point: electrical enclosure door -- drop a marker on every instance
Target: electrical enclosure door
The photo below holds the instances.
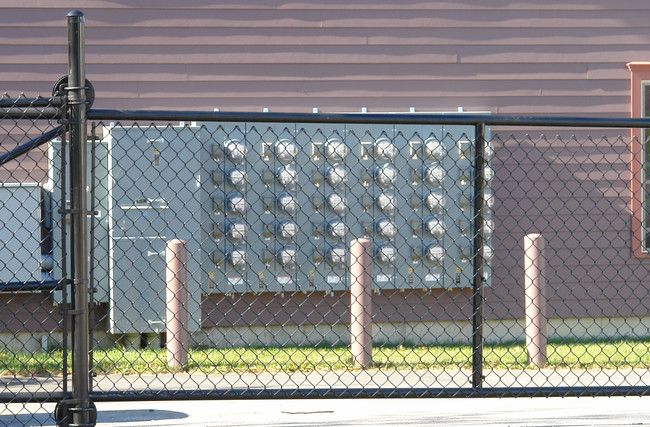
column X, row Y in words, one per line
column 154, row 191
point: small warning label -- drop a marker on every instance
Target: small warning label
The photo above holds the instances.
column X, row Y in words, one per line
column 235, row 281
column 332, row 280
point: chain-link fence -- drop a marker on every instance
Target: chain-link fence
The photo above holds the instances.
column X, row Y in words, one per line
column 438, row 256
column 268, row 213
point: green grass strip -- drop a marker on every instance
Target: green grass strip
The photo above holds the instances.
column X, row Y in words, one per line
column 625, row 353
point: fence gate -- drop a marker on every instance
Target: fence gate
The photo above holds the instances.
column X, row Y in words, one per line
column 34, row 364
column 269, row 205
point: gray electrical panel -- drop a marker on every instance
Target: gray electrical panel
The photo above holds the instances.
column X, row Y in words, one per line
column 20, row 232
column 310, row 189
column 270, row 207
column 154, row 192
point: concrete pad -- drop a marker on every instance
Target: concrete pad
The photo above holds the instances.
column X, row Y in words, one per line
column 617, row 411
column 586, row 411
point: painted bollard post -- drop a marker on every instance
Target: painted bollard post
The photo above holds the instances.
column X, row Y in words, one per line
column 361, row 302
column 176, row 276
column 535, row 299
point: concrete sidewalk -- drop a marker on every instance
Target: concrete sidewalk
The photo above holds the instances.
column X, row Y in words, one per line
column 586, row 411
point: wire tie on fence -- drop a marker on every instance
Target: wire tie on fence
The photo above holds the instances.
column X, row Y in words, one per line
column 75, row 87
column 84, row 409
column 80, row 282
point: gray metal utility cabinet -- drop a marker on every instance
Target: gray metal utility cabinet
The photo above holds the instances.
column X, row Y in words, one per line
column 269, row 207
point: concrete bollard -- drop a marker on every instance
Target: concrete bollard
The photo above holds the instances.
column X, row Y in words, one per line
column 535, row 290
column 361, row 301
column 176, row 276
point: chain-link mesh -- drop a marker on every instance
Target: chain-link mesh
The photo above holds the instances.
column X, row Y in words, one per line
column 33, row 331
column 267, row 215
column 570, row 195
column 294, row 259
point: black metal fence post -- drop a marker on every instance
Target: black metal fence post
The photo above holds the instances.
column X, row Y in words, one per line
column 477, row 256
column 81, row 411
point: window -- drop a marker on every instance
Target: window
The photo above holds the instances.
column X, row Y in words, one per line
column 640, row 164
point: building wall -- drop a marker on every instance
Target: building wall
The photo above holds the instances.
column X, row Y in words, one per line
column 506, row 57
column 521, row 57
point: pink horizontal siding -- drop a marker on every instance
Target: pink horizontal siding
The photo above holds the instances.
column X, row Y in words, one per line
column 525, row 57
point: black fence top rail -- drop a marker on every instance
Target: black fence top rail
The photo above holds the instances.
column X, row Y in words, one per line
column 371, row 118
column 22, row 101
column 32, row 108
